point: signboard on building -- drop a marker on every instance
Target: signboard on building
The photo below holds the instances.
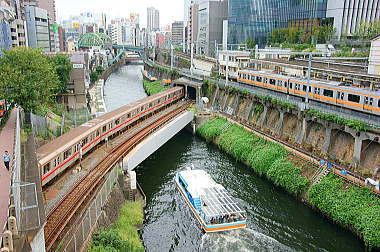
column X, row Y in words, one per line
column 78, row 66
column 132, row 176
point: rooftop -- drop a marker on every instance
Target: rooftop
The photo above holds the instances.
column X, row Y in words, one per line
column 89, row 40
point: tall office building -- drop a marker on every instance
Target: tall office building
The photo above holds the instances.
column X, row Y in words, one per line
column 7, row 15
column 48, row 5
column 210, row 25
column 37, row 24
column 177, row 33
column 347, row 15
column 153, row 22
column 255, row 19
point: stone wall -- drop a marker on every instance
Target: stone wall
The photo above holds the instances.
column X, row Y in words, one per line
column 343, row 145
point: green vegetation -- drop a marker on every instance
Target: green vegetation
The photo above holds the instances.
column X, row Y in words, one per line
column 264, row 157
column 28, row 78
column 152, row 88
column 251, row 43
column 348, row 52
column 368, row 30
column 351, row 207
column 63, row 67
column 96, row 74
column 354, row 124
column 294, row 36
column 258, row 109
column 173, row 74
column 287, row 105
column 123, row 236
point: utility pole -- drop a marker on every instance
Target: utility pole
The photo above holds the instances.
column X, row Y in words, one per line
column 172, row 57
column 192, row 58
column 228, row 62
column 308, row 79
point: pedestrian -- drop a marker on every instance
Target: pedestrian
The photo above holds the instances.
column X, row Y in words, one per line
column 7, row 159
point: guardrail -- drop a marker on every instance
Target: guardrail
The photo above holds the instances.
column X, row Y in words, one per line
column 15, row 167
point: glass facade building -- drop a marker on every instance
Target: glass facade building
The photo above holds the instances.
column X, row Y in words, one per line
column 255, row 19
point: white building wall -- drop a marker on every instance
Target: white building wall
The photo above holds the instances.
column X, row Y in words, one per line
column 374, row 57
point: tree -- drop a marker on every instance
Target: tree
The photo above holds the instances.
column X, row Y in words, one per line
column 251, row 43
column 63, row 67
column 323, row 34
column 368, row 30
column 27, row 78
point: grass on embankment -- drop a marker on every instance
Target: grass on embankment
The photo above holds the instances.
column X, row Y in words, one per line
column 153, row 87
column 123, row 235
column 350, row 206
column 264, row 157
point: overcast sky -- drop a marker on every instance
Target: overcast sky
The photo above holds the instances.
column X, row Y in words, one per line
column 170, row 10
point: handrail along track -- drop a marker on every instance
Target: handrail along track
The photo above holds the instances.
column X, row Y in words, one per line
column 60, row 216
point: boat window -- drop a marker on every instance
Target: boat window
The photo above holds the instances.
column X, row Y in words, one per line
column 354, row 98
column 329, row 93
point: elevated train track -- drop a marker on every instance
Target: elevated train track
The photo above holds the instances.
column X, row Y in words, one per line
column 65, row 212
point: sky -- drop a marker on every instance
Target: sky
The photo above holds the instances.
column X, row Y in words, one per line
column 170, row 10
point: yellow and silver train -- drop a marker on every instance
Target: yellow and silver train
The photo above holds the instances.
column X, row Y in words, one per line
column 359, row 99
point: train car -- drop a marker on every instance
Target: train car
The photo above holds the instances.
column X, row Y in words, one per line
column 61, row 153
column 333, row 93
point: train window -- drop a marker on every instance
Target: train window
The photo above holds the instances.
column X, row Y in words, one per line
column 378, row 103
column 368, row 101
column 129, row 115
column 272, row 81
column 265, row 80
column 309, row 89
column 285, row 84
column 297, row 86
column 353, row 98
column 46, row 168
column 258, row 78
column 97, row 133
column 304, row 88
column 104, row 128
column 317, row 91
column 67, row 154
column 84, row 141
column 291, row 85
column 329, row 93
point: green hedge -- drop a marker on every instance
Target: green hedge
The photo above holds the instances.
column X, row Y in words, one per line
column 354, row 207
column 123, row 236
column 152, row 88
column 259, row 154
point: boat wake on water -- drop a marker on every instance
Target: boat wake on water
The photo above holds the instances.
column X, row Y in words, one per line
column 240, row 240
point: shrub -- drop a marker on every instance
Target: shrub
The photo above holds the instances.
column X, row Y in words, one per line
column 152, row 88
column 285, row 174
column 353, row 207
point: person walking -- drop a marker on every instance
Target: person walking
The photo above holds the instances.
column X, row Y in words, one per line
column 7, row 159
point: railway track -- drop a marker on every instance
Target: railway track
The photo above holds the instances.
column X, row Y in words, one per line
column 65, row 211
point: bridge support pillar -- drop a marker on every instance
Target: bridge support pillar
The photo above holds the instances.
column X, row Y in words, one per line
column 280, row 124
column 326, row 144
column 301, row 136
column 263, row 117
column 248, row 112
column 357, row 151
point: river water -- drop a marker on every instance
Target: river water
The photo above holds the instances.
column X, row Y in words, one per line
column 276, row 221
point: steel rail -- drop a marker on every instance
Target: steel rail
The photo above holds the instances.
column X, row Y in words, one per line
column 58, row 219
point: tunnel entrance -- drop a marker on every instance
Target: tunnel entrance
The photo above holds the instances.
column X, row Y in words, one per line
column 191, row 93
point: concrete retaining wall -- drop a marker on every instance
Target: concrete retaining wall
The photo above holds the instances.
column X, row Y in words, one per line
column 156, row 140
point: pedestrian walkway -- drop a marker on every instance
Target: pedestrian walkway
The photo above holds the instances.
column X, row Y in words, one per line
column 7, row 137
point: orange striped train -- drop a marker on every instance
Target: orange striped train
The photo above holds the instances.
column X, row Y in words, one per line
column 63, row 152
column 359, row 99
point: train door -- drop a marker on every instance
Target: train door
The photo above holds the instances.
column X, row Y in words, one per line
column 339, row 97
column 368, row 103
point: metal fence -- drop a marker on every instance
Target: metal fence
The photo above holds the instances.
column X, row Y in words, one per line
column 39, row 125
column 76, row 238
column 77, row 117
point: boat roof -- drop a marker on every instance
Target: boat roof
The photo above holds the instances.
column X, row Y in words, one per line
column 218, row 202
